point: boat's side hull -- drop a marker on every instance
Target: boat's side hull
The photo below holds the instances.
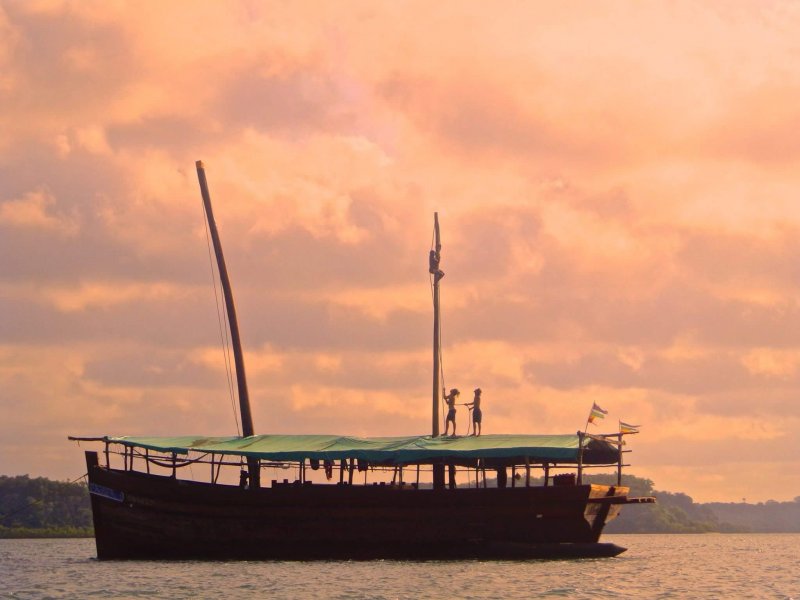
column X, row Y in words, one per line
column 146, row 516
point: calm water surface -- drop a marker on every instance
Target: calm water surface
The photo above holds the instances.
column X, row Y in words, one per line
column 655, row 566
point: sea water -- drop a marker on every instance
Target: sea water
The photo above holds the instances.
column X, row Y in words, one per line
column 655, row 566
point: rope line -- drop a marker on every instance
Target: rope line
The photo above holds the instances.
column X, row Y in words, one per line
column 223, row 329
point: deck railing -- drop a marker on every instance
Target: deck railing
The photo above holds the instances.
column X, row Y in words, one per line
column 552, row 473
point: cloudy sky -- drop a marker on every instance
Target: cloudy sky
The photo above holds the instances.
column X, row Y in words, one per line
column 618, row 185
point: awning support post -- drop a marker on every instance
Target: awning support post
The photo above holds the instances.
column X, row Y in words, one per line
column 527, row 471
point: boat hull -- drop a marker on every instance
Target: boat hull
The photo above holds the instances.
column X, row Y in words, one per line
column 142, row 516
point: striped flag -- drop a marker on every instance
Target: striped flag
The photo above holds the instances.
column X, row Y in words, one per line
column 628, row 428
column 596, row 413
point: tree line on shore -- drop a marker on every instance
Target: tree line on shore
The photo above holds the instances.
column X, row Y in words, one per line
column 41, row 507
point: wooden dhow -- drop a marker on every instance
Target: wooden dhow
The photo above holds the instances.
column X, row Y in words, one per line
column 329, row 508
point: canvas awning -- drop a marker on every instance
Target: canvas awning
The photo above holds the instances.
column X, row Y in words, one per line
column 393, row 450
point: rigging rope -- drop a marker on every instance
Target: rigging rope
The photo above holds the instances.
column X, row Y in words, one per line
column 223, row 329
column 441, row 372
column 441, row 359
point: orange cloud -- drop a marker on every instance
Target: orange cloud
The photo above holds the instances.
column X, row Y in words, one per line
column 34, row 211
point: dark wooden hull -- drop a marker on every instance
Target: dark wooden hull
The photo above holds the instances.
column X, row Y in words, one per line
column 141, row 516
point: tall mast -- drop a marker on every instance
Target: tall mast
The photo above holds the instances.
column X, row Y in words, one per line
column 238, row 356
column 433, row 268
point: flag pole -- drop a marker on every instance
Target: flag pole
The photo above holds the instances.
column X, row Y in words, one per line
column 581, row 437
column 598, row 412
column 624, row 429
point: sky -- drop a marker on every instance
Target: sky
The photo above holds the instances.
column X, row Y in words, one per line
column 618, row 187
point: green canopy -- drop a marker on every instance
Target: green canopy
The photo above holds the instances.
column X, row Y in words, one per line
column 394, row 450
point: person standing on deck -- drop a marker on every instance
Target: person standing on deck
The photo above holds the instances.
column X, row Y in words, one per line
column 477, row 415
column 451, row 410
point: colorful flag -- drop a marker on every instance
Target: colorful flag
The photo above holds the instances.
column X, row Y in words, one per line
column 627, row 428
column 597, row 413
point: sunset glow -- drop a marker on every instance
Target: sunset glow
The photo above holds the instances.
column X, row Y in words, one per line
column 617, row 184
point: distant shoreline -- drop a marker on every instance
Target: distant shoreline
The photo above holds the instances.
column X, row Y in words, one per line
column 33, row 508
